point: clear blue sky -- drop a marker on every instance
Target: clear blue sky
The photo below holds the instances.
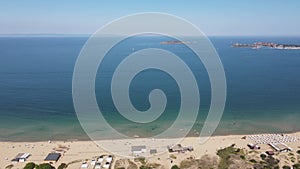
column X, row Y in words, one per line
column 213, row 17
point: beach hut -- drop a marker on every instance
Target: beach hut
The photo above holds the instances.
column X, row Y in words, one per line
column 21, row 157
column 176, row 148
column 84, row 165
column 153, row 151
column 253, row 147
column 138, row 149
column 109, row 158
column 52, row 157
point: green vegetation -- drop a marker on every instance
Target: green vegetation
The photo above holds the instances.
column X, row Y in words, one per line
column 41, row 166
column 263, row 156
column 296, row 166
column 120, row 168
column 173, row 156
column 175, row 167
column 253, row 161
column 268, row 163
column 9, row 166
column 298, row 152
column 242, row 157
column 225, row 155
column 142, row 160
column 44, row 166
column 145, row 167
column 29, row 166
column 286, row 167
column 62, row 166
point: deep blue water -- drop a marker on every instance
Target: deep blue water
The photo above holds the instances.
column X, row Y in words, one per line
column 263, row 91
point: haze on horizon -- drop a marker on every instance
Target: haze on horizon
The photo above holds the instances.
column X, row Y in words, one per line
column 225, row 18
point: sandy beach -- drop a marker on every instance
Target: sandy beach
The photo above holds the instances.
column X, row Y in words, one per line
column 75, row 152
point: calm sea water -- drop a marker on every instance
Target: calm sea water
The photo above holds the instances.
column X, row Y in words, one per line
column 263, row 92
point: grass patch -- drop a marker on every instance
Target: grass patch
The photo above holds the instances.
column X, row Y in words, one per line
column 9, row 166
column 173, row 156
column 62, row 166
column 263, row 156
column 225, row 155
column 296, row 166
column 145, row 167
column 175, row 167
column 142, row 160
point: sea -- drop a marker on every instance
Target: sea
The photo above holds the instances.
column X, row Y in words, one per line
column 263, row 87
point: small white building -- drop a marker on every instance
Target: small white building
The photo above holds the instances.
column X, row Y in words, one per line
column 138, row 149
column 21, row 157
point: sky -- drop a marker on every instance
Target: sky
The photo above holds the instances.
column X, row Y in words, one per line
column 213, row 17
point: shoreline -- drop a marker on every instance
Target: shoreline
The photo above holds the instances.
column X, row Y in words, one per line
column 81, row 140
column 79, row 151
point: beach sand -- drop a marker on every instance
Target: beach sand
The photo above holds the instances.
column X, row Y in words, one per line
column 77, row 151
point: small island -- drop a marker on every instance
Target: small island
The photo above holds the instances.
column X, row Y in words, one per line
column 258, row 45
column 175, row 42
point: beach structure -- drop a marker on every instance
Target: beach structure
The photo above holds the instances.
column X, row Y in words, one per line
column 179, row 148
column 84, row 165
column 106, row 165
column 93, row 162
column 253, row 146
column 153, row 151
column 100, row 159
column 270, row 153
column 175, row 148
column 109, row 159
column 98, row 166
column 52, row 157
column 280, row 147
column 21, row 157
column 138, row 149
column 273, row 138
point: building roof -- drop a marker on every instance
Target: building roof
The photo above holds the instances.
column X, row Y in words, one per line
column 21, row 156
column 153, row 151
column 138, row 148
column 176, row 147
column 52, row 157
column 279, row 146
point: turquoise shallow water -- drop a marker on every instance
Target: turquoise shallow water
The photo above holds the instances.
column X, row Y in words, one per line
column 36, row 88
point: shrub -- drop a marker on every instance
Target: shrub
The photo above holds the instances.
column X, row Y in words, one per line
column 243, row 157
column 173, row 156
column 296, row 166
column 286, row 167
column 253, row 161
column 263, row 156
column 9, row 166
column 145, row 167
column 175, row 167
column 62, row 166
column 29, row 166
column 44, row 166
column 142, row 160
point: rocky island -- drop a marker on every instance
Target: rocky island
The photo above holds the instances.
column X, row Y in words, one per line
column 258, row 45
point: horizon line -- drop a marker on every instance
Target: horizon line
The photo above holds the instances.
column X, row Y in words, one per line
column 89, row 34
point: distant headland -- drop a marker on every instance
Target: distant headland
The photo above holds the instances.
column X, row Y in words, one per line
column 258, row 45
column 174, row 42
